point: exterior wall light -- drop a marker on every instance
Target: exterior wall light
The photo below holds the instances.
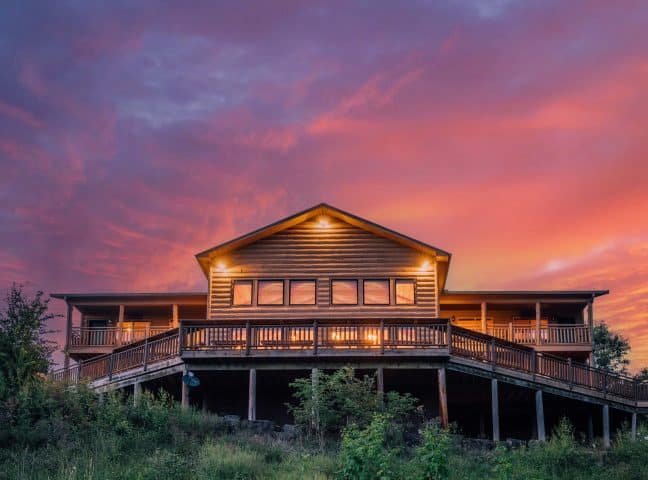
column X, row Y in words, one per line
column 426, row 266
column 323, row 222
column 220, row 266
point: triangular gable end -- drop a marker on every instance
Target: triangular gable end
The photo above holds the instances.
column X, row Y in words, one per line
column 206, row 257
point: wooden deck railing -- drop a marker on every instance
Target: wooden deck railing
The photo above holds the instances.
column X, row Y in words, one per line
column 111, row 336
column 378, row 337
column 549, row 334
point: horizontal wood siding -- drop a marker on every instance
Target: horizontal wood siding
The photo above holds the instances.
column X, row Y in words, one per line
column 309, row 251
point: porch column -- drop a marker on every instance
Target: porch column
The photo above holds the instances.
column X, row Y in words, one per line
column 606, row 426
column 443, row 397
column 483, row 317
column 252, row 395
column 315, row 403
column 537, row 308
column 495, row 410
column 633, row 427
column 590, row 323
column 174, row 315
column 137, row 393
column 380, row 381
column 540, row 416
column 184, row 398
column 68, row 336
column 120, row 325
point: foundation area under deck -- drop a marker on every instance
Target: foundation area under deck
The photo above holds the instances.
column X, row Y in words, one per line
column 476, row 407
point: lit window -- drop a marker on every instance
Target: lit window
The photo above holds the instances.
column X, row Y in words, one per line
column 271, row 292
column 405, row 292
column 242, row 294
column 376, row 292
column 344, row 292
column 302, row 292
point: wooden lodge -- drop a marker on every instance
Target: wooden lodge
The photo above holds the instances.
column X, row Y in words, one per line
column 324, row 288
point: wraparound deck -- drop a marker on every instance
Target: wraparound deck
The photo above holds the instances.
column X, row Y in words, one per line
column 381, row 340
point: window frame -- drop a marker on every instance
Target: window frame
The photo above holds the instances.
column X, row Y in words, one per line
column 364, row 297
column 283, row 292
column 405, row 279
column 242, row 280
column 311, row 280
column 357, row 300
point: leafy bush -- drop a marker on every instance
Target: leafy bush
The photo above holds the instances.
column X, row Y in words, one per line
column 326, row 406
column 432, row 456
column 365, row 453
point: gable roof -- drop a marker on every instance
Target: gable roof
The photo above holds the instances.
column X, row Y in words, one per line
column 207, row 256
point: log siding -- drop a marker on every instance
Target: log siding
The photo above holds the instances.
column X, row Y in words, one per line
column 337, row 251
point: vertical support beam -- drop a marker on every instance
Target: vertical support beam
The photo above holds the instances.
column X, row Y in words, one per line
column 633, row 427
column 380, row 381
column 185, row 396
column 538, row 314
column 174, row 315
column 495, row 410
column 606, row 426
column 540, row 421
column 68, row 336
column 137, row 393
column 483, row 317
column 443, row 397
column 252, row 395
column 315, row 403
column 590, row 323
column 120, row 325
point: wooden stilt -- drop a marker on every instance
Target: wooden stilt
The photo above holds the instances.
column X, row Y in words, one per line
column 443, row 397
column 184, row 402
column 380, row 381
column 633, row 427
column 252, row 395
column 137, row 393
column 540, row 421
column 495, row 410
column 606, row 426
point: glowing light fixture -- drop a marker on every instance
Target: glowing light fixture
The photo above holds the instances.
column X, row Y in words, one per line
column 220, row 266
column 323, row 222
column 426, row 266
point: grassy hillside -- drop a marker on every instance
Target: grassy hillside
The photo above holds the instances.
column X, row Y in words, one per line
column 55, row 432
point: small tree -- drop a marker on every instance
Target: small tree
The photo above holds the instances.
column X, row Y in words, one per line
column 610, row 349
column 24, row 351
column 642, row 376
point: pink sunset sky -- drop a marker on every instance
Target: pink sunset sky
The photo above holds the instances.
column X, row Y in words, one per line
column 513, row 134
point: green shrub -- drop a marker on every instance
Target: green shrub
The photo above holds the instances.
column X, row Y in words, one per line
column 432, row 456
column 365, row 453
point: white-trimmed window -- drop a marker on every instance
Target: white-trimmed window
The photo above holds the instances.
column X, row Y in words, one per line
column 302, row 292
column 376, row 292
column 270, row 292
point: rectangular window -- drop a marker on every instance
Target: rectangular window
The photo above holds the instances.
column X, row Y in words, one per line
column 376, row 292
column 271, row 292
column 405, row 292
column 242, row 294
column 344, row 292
column 302, row 292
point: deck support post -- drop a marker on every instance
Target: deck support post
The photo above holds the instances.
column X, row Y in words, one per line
column 174, row 315
column 184, row 398
column 590, row 323
column 633, row 427
column 315, row 402
column 495, row 410
column 380, row 381
column 538, row 314
column 120, row 325
column 443, row 397
column 252, row 395
column 606, row 426
column 483, row 317
column 68, row 336
column 137, row 393
column 540, row 421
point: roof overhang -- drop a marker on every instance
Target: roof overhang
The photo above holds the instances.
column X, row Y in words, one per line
column 522, row 296
column 207, row 257
column 123, row 298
